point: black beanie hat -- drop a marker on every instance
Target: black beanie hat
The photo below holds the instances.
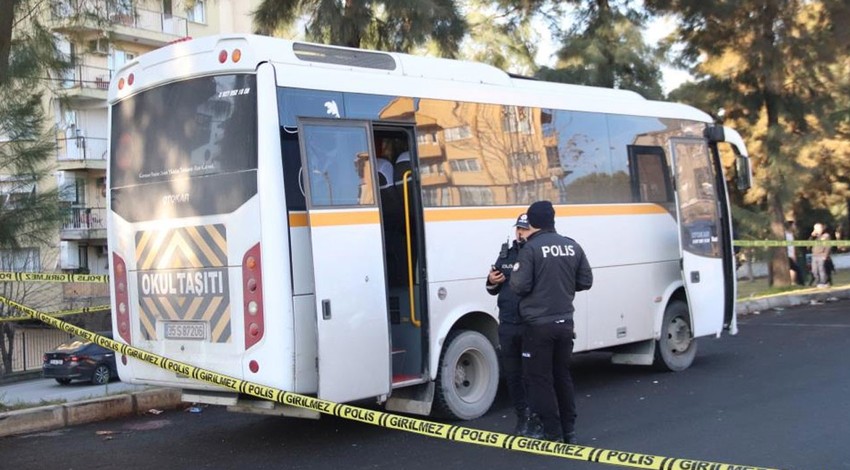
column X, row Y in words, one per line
column 541, row 215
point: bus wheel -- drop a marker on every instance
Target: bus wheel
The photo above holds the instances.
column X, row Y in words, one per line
column 677, row 347
column 468, row 376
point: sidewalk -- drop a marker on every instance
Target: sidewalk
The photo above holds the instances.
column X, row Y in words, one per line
column 45, row 418
column 812, row 296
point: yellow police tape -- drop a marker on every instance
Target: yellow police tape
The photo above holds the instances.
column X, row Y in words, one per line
column 62, row 313
column 378, row 418
column 7, row 276
column 776, row 243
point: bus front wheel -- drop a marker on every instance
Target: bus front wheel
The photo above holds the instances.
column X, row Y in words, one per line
column 468, row 376
column 676, row 349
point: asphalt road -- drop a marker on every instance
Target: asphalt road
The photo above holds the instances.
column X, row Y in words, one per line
column 776, row 395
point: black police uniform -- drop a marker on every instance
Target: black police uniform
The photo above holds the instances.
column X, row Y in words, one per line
column 550, row 269
column 510, row 329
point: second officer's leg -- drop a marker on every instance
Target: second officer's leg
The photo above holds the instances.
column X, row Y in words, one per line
column 564, row 390
column 537, row 361
column 510, row 351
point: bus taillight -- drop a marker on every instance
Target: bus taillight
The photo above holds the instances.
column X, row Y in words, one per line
column 222, row 56
column 236, row 55
column 122, row 300
column 252, row 296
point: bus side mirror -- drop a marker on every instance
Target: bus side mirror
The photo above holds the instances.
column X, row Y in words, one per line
column 743, row 175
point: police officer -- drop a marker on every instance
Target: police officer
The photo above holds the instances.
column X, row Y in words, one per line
column 510, row 328
column 550, row 268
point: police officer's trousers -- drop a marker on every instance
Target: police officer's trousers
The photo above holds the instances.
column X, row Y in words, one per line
column 510, row 352
column 547, row 350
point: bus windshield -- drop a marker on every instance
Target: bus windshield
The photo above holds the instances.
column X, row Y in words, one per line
column 200, row 127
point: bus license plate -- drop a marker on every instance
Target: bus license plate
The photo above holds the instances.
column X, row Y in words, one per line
column 185, row 330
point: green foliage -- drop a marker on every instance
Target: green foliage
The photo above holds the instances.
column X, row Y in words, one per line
column 502, row 38
column 605, row 47
column 398, row 25
column 772, row 66
column 29, row 214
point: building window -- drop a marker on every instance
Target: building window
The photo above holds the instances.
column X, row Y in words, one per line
column 516, row 119
column 14, row 191
column 198, row 13
column 475, row 196
column 553, row 160
column 21, row 260
column 426, row 138
column 457, row 133
column 465, row 165
column 519, row 159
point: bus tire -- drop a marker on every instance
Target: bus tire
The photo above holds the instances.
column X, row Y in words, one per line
column 468, row 376
column 676, row 349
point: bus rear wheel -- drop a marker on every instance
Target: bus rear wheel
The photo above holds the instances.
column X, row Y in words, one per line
column 468, row 376
column 676, row 349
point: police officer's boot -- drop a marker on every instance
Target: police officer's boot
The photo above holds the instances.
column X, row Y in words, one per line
column 534, row 429
column 553, row 438
column 570, row 437
column 523, row 421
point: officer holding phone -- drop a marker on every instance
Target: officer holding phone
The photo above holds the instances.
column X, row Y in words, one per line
column 510, row 328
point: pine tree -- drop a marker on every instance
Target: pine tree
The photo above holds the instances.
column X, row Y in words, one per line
column 390, row 25
column 30, row 64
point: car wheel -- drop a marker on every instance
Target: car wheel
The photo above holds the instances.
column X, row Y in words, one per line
column 101, row 375
column 676, row 349
column 468, row 376
column 63, row 381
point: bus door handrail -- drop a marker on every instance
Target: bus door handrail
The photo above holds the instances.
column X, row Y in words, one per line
column 413, row 320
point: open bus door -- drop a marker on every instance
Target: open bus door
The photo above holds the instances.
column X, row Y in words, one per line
column 345, row 231
column 701, row 237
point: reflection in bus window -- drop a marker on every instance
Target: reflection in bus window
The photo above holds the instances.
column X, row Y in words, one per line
column 336, row 169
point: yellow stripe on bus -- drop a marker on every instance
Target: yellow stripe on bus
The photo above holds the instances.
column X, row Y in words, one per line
column 320, row 219
column 299, row 219
column 460, row 214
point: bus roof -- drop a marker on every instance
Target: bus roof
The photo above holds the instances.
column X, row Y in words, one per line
column 322, row 67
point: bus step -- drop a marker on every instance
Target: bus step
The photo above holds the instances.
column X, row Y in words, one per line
column 402, row 378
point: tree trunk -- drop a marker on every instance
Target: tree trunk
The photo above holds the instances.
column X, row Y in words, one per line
column 7, row 344
column 7, row 19
column 779, row 257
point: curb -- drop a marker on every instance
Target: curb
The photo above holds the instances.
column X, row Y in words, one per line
column 48, row 418
column 805, row 296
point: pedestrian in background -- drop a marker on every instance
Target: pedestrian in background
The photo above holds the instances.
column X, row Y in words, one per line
column 820, row 256
column 549, row 270
column 510, row 326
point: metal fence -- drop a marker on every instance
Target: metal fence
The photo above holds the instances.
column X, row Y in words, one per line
column 30, row 344
column 84, row 218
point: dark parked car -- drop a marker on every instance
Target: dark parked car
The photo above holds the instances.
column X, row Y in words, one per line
column 80, row 359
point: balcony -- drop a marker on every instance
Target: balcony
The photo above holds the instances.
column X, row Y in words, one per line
column 434, row 179
column 86, row 84
column 429, row 150
column 149, row 27
column 84, row 223
column 81, row 153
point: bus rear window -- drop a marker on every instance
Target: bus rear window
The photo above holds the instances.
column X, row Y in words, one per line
column 199, row 127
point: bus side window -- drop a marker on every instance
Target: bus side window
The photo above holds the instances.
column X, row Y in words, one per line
column 650, row 176
column 291, row 153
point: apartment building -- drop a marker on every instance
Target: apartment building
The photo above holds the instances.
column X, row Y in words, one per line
column 99, row 45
